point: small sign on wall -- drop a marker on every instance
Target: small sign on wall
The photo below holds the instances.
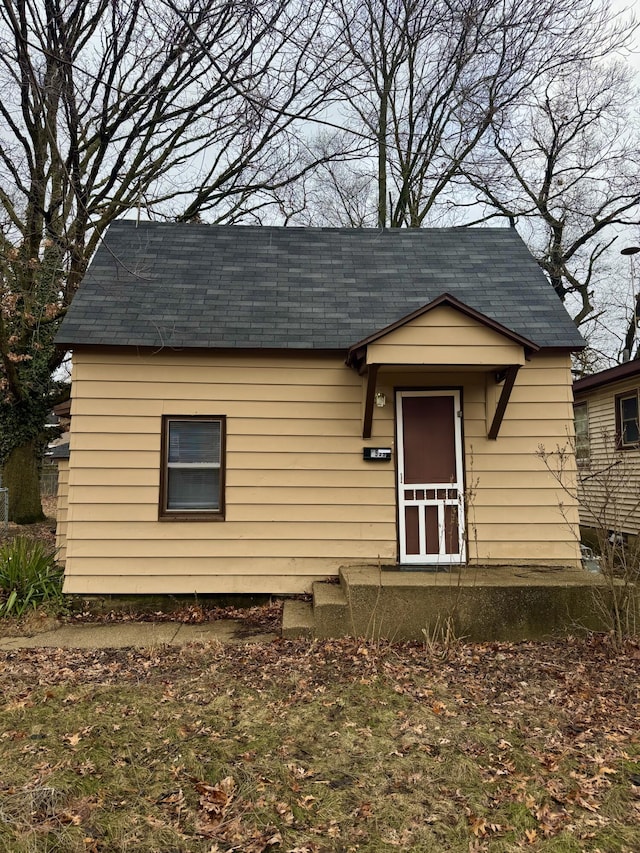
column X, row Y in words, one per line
column 376, row 454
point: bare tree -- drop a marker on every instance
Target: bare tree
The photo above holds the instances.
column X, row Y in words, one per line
column 174, row 107
column 565, row 166
column 341, row 190
column 425, row 81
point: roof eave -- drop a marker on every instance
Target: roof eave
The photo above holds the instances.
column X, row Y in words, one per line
column 613, row 374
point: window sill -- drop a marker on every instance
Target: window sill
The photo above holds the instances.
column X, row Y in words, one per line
column 192, row 516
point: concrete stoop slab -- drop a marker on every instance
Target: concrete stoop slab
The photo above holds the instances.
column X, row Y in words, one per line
column 497, row 603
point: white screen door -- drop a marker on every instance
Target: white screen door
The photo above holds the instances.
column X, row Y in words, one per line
column 430, row 477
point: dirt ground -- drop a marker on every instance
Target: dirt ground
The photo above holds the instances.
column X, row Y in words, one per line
column 44, row 531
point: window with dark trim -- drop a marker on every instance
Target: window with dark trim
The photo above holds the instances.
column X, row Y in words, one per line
column 581, row 422
column 627, row 429
column 193, row 467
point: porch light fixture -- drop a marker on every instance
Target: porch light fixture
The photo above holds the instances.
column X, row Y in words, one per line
column 381, row 400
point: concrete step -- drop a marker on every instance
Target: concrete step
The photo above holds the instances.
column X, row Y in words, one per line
column 328, row 595
column 297, row 619
column 330, row 611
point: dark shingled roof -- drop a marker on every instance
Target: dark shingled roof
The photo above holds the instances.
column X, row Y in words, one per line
column 182, row 285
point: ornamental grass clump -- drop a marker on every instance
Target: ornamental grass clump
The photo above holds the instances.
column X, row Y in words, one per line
column 29, row 577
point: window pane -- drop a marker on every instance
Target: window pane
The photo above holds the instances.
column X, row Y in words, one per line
column 582, row 432
column 631, row 435
column 629, row 419
column 194, row 441
column 629, row 408
column 193, row 488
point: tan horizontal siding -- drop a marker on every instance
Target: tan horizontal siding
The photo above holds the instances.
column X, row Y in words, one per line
column 486, row 462
column 435, row 354
column 276, row 479
column 61, row 510
column 235, row 531
column 530, row 553
column 243, row 511
column 512, row 519
column 265, row 397
column 444, row 336
column 240, row 372
column 222, row 359
column 515, row 507
column 119, row 496
column 527, row 394
column 259, row 460
column 300, row 501
column 297, row 489
column 322, row 444
column 335, row 538
column 109, row 423
column 537, row 426
column 529, row 498
column 183, row 583
column 167, row 566
column 311, row 410
column 347, row 549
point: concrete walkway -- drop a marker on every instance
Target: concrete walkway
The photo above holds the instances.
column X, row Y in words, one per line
column 121, row 635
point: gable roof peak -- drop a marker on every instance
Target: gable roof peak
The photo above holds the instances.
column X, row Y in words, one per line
column 445, row 299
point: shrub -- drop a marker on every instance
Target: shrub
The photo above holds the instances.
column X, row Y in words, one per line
column 29, row 577
column 608, row 494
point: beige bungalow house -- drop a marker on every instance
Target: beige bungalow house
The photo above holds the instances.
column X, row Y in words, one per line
column 254, row 408
column 608, row 449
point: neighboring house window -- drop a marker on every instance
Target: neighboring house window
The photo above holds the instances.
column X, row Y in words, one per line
column 581, row 420
column 192, row 475
column 627, row 420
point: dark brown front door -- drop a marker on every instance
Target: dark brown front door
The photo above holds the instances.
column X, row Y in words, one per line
column 430, row 481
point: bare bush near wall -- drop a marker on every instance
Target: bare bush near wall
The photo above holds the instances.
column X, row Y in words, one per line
column 608, row 494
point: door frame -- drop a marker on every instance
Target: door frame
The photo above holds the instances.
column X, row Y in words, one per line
column 441, row 557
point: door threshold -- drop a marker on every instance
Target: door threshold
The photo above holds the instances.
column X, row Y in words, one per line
column 432, row 568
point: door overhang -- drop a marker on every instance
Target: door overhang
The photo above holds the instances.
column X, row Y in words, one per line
column 444, row 335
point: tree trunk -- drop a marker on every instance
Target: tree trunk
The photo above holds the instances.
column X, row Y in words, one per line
column 382, row 162
column 21, row 476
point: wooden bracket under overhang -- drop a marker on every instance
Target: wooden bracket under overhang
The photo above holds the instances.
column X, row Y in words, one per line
column 505, row 376
column 508, row 377
column 372, row 376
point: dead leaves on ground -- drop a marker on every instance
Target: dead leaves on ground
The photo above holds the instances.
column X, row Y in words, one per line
column 548, row 728
column 265, row 617
column 220, row 816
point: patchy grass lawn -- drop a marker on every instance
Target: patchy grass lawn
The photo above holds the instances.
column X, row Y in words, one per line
column 328, row 746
